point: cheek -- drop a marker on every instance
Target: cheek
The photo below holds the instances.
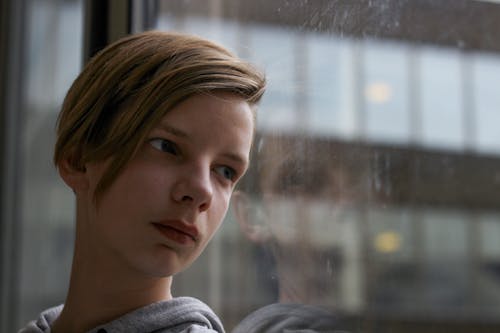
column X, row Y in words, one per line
column 138, row 186
column 220, row 205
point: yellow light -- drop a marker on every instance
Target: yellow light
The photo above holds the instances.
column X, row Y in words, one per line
column 388, row 242
column 378, row 92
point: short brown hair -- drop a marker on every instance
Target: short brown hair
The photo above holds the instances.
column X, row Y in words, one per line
column 130, row 85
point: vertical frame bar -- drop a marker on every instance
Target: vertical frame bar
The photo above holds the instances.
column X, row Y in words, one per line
column 105, row 22
column 12, row 58
column 144, row 15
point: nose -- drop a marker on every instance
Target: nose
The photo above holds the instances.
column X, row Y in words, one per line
column 194, row 187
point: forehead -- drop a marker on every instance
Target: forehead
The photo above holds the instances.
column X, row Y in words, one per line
column 221, row 108
column 216, row 118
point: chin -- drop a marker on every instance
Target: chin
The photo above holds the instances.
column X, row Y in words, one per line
column 160, row 264
column 159, row 270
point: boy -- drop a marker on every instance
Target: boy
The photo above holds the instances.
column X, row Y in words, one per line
column 152, row 138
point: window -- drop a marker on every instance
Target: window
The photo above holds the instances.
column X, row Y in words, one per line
column 367, row 138
column 376, row 169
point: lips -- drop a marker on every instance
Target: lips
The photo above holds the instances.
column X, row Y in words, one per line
column 178, row 231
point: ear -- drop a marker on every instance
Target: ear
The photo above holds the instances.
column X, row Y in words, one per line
column 75, row 178
column 251, row 223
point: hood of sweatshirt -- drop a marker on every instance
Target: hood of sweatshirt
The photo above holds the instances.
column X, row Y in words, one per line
column 180, row 314
column 289, row 318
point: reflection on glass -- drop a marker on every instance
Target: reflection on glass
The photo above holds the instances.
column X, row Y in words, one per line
column 279, row 57
column 386, row 92
column 441, row 98
column 369, row 195
column 328, row 95
column 377, row 166
column 487, row 100
column 366, row 200
column 301, row 216
column 489, row 231
column 391, row 234
column 445, row 234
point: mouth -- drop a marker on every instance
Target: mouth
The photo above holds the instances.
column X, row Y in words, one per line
column 178, row 231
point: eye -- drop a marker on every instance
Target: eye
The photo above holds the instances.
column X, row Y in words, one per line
column 226, row 172
column 165, row 146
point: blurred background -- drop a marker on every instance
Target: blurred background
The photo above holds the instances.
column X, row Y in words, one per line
column 374, row 189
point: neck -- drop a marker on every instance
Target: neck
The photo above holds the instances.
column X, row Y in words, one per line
column 102, row 288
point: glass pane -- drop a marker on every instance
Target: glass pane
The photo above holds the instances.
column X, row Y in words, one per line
column 489, row 230
column 54, row 44
column 365, row 196
column 371, row 197
column 391, row 234
column 328, row 97
column 441, row 98
column 445, row 235
column 386, row 92
column 488, row 275
column 284, row 116
column 487, row 101
column 373, row 190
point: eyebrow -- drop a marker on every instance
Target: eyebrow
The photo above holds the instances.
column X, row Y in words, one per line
column 172, row 130
column 236, row 158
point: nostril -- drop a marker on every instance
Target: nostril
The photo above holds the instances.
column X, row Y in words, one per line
column 204, row 206
column 187, row 198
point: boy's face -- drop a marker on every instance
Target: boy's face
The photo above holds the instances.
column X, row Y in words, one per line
column 169, row 200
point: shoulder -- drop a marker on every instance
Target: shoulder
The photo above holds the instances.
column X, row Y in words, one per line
column 42, row 324
column 284, row 317
column 194, row 328
column 178, row 315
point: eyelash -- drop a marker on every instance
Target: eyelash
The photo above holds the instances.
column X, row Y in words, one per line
column 165, row 146
column 232, row 172
column 170, row 147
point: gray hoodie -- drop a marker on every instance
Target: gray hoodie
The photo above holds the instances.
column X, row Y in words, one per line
column 289, row 318
column 179, row 315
